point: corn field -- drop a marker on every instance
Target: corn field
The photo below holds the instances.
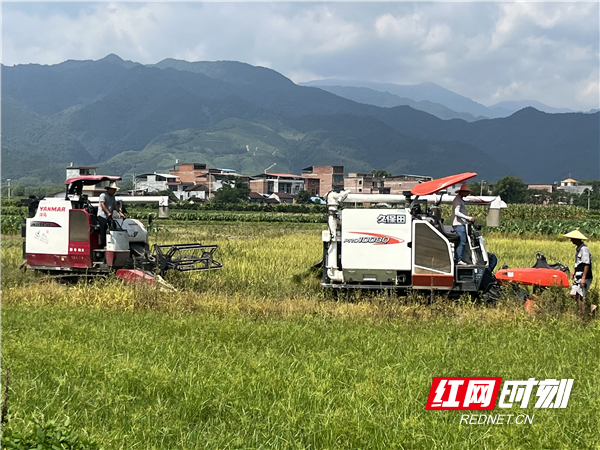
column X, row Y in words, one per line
column 516, row 219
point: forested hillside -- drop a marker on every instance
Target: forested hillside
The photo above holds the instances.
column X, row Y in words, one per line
column 131, row 118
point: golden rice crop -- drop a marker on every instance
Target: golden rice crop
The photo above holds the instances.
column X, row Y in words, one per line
column 265, row 272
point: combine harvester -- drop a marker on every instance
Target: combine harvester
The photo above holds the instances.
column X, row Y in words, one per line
column 410, row 247
column 62, row 238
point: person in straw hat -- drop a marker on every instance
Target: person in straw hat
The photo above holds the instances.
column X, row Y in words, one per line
column 460, row 220
column 582, row 274
column 108, row 204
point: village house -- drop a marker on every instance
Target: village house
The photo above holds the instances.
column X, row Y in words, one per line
column 269, row 183
column 368, row 183
column 188, row 172
column 364, row 183
column 573, row 187
column 398, row 184
column 77, row 171
column 150, row 183
column 155, row 182
column 319, row 180
column 262, row 199
column 542, row 187
column 200, row 181
column 282, row 197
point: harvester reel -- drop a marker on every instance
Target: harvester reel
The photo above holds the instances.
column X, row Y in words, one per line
column 186, row 257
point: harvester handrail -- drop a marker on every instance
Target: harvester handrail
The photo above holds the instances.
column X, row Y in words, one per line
column 335, row 198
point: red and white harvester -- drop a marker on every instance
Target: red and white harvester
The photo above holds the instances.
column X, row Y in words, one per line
column 62, row 238
column 404, row 245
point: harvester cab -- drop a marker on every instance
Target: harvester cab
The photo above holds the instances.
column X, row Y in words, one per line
column 406, row 246
column 63, row 237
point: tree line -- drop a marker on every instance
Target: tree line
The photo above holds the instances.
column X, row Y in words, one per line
column 513, row 190
column 510, row 188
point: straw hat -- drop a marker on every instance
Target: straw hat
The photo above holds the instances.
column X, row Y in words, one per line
column 464, row 188
column 575, row 234
column 112, row 185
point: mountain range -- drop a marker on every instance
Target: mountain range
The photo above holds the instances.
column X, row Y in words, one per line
column 128, row 118
column 428, row 97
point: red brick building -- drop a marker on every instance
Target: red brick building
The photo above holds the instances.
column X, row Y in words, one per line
column 368, row 183
column 269, row 183
column 319, row 180
column 400, row 183
column 199, row 174
column 364, row 183
column 189, row 172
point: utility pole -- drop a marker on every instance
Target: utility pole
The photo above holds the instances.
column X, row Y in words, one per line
column 589, row 199
column 8, row 179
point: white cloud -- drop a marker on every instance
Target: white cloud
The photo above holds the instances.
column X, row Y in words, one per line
column 486, row 51
column 437, row 36
column 313, row 30
column 589, row 89
column 403, row 28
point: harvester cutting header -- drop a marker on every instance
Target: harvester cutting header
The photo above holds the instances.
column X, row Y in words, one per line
column 62, row 236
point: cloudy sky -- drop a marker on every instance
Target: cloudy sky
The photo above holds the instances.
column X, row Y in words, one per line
column 489, row 52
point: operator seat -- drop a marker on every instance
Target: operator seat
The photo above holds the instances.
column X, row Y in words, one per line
column 446, row 230
column 92, row 211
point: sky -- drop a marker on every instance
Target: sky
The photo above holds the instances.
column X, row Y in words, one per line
column 487, row 51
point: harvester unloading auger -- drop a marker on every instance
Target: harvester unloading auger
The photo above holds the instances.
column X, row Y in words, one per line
column 408, row 246
column 62, row 238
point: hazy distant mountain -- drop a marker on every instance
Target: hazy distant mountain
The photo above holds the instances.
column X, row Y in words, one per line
column 132, row 118
column 421, row 92
column 515, row 106
column 436, row 94
column 387, row 100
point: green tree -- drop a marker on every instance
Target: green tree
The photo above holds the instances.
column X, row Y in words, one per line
column 560, row 197
column 588, row 198
column 233, row 190
column 303, row 197
column 537, row 196
column 511, row 189
column 381, row 173
column 479, row 188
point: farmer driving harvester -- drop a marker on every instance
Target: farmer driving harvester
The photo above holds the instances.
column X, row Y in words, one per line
column 108, row 204
column 460, row 219
column 63, row 238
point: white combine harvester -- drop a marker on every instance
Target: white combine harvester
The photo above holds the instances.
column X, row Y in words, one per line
column 404, row 247
column 62, row 238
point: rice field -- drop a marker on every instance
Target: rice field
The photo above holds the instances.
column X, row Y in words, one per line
column 256, row 355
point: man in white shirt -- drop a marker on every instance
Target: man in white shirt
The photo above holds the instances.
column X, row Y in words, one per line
column 582, row 273
column 460, row 220
column 108, row 203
